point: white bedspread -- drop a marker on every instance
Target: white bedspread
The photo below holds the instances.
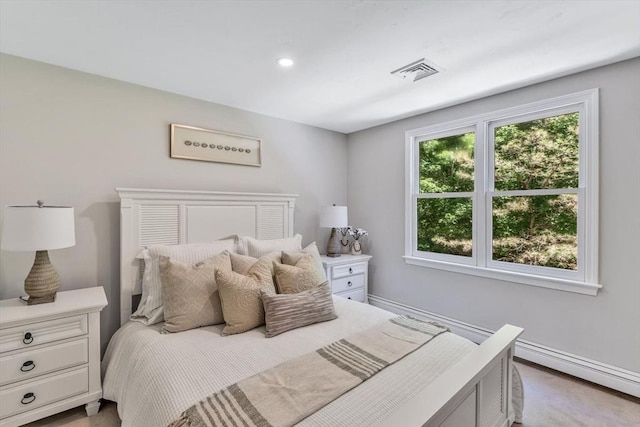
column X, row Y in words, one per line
column 154, row 377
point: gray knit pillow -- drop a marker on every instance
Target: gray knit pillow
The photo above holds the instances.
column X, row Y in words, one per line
column 284, row 312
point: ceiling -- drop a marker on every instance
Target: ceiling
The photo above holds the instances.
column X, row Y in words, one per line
column 344, row 51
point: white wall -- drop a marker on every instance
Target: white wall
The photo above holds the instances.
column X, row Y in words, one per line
column 604, row 328
column 69, row 138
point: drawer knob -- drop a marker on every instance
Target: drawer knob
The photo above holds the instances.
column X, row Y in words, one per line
column 28, row 366
column 28, row 338
column 349, row 284
column 28, row 398
column 350, row 270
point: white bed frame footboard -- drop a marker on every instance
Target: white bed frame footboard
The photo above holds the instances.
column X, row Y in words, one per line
column 475, row 392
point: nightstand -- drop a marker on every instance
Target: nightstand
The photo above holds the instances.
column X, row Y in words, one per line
column 50, row 356
column 348, row 275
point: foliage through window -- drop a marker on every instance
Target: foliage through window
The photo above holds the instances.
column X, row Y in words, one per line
column 513, row 191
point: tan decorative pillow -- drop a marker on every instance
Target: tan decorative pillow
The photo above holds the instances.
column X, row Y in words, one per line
column 292, row 258
column 240, row 296
column 286, row 312
column 303, row 276
column 190, row 292
column 150, row 310
column 241, row 264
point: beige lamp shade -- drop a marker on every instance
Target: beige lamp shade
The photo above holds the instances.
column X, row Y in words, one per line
column 39, row 228
column 34, row 228
column 333, row 217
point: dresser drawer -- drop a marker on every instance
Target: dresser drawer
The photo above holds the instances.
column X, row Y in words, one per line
column 26, row 396
column 42, row 360
column 348, row 283
column 42, row 332
column 356, row 295
column 348, row 269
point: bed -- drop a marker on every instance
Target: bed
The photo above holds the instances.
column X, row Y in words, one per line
column 155, row 376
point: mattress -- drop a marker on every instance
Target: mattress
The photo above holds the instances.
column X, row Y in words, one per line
column 153, row 377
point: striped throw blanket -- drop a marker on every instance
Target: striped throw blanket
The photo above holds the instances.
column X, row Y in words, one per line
column 287, row 393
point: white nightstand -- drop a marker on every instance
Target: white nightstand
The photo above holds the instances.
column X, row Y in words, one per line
column 348, row 275
column 50, row 356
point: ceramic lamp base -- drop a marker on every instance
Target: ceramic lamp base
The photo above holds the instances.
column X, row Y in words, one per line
column 333, row 246
column 43, row 280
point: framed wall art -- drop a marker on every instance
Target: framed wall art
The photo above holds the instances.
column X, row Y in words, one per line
column 193, row 143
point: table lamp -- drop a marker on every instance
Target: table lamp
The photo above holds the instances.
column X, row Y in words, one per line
column 39, row 228
column 333, row 217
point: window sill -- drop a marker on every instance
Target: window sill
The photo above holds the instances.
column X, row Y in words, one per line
column 525, row 279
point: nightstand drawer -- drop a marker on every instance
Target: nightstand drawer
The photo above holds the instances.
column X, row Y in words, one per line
column 348, row 269
column 42, row 360
column 39, row 392
column 355, row 295
column 348, row 283
column 34, row 334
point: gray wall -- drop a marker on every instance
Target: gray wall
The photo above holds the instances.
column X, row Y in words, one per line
column 604, row 328
column 69, row 138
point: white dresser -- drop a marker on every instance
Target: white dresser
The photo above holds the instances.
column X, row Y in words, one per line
column 348, row 275
column 50, row 356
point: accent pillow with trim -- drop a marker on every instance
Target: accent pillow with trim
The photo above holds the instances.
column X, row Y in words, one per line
column 284, row 312
column 150, row 310
column 240, row 296
column 190, row 292
column 303, row 276
column 257, row 248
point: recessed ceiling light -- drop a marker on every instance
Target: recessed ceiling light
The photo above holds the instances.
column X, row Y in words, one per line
column 285, row 62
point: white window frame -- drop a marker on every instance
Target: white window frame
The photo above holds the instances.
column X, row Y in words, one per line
column 585, row 279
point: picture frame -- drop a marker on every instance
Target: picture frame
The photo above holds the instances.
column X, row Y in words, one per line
column 194, row 143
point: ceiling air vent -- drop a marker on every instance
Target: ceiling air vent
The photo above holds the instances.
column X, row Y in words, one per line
column 415, row 71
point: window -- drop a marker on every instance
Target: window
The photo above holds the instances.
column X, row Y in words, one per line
column 510, row 195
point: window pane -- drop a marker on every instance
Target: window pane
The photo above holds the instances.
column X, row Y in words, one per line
column 537, row 154
column 445, row 226
column 446, row 164
column 536, row 230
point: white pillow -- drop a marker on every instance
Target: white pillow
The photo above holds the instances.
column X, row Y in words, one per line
column 259, row 248
column 150, row 309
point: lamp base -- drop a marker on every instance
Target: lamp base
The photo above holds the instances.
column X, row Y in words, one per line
column 41, row 300
column 43, row 280
column 333, row 246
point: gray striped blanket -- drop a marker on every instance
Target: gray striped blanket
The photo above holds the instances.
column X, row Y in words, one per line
column 293, row 390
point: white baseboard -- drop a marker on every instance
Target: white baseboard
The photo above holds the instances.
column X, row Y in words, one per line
column 600, row 373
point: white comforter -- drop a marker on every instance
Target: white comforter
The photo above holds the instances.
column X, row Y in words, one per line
column 154, row 377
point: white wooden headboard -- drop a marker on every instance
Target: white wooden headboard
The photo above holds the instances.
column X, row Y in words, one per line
column 170, row 217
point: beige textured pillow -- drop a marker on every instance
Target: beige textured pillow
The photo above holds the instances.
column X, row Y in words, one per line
column 240, row 296
column 292, row 258
column 286, row 312
column 150, row 310
column 190, row 292
column 303, row 276
column 241, row 264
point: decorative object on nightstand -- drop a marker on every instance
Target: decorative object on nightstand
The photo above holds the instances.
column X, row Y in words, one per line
column 345, row 243
column 333, row 217
column 348, row 276
column 39, row 228
column 50, row 356
column 357, row 234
